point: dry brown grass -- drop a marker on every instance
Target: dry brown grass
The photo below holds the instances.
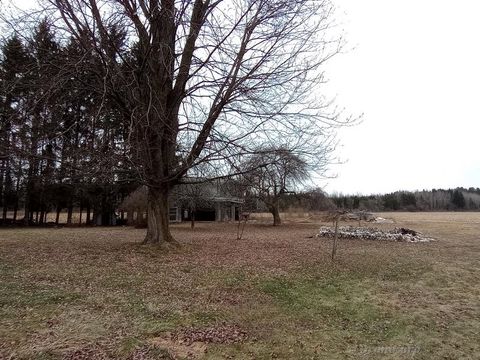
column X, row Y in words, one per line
column 71, row 291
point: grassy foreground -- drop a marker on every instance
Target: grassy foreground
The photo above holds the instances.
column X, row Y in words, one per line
column 95, row 293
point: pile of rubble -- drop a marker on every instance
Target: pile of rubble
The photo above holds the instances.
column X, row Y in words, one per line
column 380, row 220
column 368, row 233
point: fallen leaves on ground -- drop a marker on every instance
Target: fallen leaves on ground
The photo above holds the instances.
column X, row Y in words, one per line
column 222, row 334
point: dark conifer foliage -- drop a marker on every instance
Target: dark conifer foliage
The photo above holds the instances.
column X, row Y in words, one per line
column 61, row 145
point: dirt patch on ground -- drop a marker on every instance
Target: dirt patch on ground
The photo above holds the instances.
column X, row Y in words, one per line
column 223, row 334
column 91, row 352
column 175, row 349
column 191, row 342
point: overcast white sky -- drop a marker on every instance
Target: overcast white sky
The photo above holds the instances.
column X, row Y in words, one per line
column 414, row 72
column 415, row 75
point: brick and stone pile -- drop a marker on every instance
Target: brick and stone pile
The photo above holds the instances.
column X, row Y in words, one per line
column 370, row 233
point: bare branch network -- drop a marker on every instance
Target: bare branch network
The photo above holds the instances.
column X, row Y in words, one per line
column 192, row 84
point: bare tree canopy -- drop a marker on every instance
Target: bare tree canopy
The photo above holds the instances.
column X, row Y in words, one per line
column 272, row 174
column 201, row 81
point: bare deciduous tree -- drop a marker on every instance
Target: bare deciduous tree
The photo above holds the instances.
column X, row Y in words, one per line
column 204, row 81
column 193, row 196
column 273, row 173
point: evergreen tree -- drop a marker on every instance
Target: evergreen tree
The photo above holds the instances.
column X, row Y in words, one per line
column 13, row 79
column 458, row 200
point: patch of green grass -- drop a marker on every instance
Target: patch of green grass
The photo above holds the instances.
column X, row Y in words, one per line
column 154, row 327
column 19, row 294
column 129, row 344
column 6, row 269
column 297, row 294
column 235, row 279
column 97, row 288
column 342, row 306
column 404, row 271
column 45, row 355
column 206, row 317
column 147, row 317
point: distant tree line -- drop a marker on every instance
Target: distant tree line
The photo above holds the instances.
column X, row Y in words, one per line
column 458, row 199
column 55, row 134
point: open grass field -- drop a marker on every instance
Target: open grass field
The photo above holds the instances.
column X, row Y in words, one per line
column 95, row 293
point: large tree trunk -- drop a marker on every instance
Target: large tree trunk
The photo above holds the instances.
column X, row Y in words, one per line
column 158, row 226
column 276, row 215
